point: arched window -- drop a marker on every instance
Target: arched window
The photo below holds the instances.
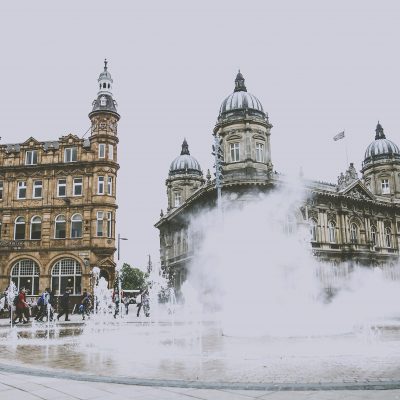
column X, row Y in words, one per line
column 66, row 273
column 353, row 233
column 332, row 232
column 60, row 227
column 373, row 235
column 104, row 85
column 19, row 228
column 313, row 229
column 388, row 237
column 36, row 228
column 76, row 226
column 25, row 273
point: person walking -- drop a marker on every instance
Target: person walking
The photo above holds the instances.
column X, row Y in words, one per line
column 64, row 303
column 21, row 308
column 85, row 304
column 42, row 303
column 139, row 303
column 126, row 303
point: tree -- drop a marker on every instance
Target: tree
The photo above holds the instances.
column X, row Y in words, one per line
column 132, row 278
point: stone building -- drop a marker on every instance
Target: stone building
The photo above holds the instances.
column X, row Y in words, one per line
column 58, row 204
column 356, row 220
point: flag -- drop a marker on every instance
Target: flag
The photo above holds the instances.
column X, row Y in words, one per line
column 339, row 136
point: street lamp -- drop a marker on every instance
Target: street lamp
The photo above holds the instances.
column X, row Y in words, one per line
column 119, row 276
column 119, row 240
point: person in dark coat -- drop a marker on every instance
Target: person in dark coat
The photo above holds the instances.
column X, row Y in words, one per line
column 22, row 307
column 64, row 303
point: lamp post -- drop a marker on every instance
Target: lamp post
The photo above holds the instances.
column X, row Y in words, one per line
column 119, row 275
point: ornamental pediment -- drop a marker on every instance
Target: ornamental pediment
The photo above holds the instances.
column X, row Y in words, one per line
column 106, row 262
column 70, row 138
column 259, row 137
column 31, row 142
column 358, row 191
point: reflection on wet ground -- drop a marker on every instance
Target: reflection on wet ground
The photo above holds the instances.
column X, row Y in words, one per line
column 200, row 352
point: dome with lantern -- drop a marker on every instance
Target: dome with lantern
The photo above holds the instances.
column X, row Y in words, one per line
column 240, row 102
column 185, row 163
column 381, row 149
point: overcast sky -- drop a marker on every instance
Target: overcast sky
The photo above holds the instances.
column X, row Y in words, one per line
column 318, row 68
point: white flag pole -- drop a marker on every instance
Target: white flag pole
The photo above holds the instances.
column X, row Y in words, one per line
column 345, row 146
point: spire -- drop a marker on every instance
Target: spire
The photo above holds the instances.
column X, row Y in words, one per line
column 379, row 132
column 105, row 64
column 185, row 148
column 239, row 83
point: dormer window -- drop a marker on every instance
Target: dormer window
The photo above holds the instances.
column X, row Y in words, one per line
column 385, row 186
column 71, row 154
column 103, row 100
column 31, row 157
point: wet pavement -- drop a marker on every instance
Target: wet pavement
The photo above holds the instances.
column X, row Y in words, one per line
column 149, row 361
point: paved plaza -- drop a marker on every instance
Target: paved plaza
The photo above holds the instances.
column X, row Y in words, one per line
column 31, row 380
column 29, row 387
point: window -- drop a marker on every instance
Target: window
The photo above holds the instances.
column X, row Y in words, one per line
column 313, row 230
column 77, row 187
column 25, row 273
column 31, row 157
column 385, row 186
column 373, row 236
column 110, row 152
column 61, row 188
column 19, row 228
column 100, row 185
column 353, row 233
column 60, row 227
column 177, row 199
column 1, row 190
column 110, row 185
column 37, row 189
column 332, row 232
column 259, row 152
column 234, row 152
column 109, row 224
column 70, row 154
column 99, row 223
column 21, row 192
column 36, row 228
column 66, row 273
column 102, row 150
column 76, row 226
column 388, row 237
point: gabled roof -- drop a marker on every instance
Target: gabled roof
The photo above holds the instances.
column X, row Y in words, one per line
column 31, row 139
column 358, row 190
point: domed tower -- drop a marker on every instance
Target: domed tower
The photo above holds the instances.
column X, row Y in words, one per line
column 244, row 132
column 184, row 177
column 381, row 166
column 104, row 118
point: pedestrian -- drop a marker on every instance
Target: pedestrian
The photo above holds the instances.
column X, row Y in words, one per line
column 126, row 303
column 42, row 304
column 116, row 299
column 85, row 304
column 52, row 304
column 64, row 303
column 21, row 307
column 139, row 303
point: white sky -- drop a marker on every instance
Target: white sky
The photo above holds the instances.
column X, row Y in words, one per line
column 317, row 67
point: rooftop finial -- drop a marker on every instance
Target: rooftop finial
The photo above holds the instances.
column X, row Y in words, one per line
column 185, row 148
column 379, row 134
column 105, row 64
column 239, row 83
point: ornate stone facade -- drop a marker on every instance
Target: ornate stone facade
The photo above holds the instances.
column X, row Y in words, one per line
column 58, row 204
column 355, row 220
